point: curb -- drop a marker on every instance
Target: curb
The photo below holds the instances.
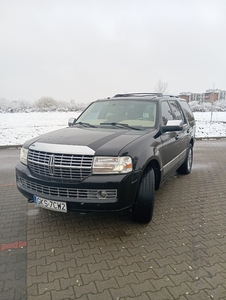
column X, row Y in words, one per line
column 210, row 138
column 10, row 146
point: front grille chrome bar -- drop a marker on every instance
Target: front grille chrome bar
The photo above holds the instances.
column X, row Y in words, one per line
column 60, row 166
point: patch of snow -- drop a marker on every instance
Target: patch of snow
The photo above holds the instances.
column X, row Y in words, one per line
column 210, row 125
column 17, row 128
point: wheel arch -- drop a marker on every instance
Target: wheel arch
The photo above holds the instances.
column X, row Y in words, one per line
column 154, row 164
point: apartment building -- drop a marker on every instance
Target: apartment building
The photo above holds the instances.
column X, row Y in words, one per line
column 209, row 96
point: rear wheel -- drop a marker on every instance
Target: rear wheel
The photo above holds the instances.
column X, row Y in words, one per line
column 143, row 208
column 185, row 168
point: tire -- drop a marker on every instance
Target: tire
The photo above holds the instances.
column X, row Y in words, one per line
column 185, row 168
column 143, row 208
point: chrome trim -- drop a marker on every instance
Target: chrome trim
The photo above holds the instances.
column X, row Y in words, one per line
column 174, row 123
column 62, row 149
column 51, row 164
column 166, row 166
column 59, row 166
column 74, row 167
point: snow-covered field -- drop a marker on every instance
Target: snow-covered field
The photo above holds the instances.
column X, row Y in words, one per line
column 207, row 129
column 16, row 128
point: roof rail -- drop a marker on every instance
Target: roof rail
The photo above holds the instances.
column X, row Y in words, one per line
column 138, row 95
column 171, row 95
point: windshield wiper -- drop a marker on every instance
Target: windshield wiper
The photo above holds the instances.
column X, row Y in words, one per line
column 121, row 125
column 84, row 124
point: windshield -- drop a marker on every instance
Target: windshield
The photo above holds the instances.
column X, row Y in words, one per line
column 134, row 113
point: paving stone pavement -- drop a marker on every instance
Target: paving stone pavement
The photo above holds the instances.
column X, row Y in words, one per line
column 180, row 255
column 13, row 231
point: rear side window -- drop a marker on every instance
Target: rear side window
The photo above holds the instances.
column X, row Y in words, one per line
column 188, row 112
column 177, row 113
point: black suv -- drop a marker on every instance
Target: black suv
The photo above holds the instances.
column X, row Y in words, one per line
column 112, row 157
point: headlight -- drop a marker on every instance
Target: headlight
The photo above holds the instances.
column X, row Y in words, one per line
column 23, row 155
column 112, row 165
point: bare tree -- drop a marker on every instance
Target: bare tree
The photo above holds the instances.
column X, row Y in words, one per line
column 46, row 104
column 4, row 103
column 161, row 86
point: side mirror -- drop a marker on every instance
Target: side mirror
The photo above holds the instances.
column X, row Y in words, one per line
column 172, row 125
column 71, row 121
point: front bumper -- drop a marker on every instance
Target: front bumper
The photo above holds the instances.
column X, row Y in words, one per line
column 119, row 190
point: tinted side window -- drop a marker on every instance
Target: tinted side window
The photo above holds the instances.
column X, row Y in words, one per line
column 166, row 112
column 178, row 115
column 188, row 112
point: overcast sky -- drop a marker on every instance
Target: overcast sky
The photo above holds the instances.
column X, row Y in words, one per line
column 89, row 49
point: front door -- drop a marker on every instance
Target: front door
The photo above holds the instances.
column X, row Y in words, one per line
column 170, row 142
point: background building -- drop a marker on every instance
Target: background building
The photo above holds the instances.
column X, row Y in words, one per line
column 209, row 96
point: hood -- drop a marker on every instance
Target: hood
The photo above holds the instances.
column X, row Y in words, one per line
column 101, row 141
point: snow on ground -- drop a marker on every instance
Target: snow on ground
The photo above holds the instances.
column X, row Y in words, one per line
column 210, row 125
column 16, row 128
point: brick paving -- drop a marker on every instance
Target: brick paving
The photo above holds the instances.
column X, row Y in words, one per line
column 13, row 231
column 181, row 254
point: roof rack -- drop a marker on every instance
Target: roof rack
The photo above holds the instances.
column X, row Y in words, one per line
column 139, row 95
column 170, row 95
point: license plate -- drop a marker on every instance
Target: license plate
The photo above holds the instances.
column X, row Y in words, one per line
column 49, row 204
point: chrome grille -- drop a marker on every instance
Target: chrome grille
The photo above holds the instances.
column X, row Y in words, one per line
column 63, row 166
column 65, row 192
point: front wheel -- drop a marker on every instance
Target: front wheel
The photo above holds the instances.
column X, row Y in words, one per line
column 185, row 168
column 143, row 208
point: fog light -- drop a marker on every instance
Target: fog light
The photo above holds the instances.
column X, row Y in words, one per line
column 102, row 194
